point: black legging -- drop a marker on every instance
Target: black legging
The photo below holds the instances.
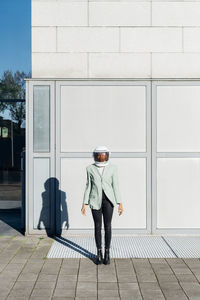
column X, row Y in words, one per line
column 107, row 211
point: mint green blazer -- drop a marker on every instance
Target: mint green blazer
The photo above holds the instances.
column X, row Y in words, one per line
column 108, row 181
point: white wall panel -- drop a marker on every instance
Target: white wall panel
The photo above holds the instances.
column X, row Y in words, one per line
column 59, row 13
column 132, row 182
column 191, row 39
column 175, row 65
column 178, row 122
column 118, row 13
column 72, row 183
column 151, row 39
column 175, row 13
column 178, row 192
column 87, row 39
column 41, row 192
column 103, row 115
column 132, row 175
column 43, row 39
column 51, row 65
column 121, row 65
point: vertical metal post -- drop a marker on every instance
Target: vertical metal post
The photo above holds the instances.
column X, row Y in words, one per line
column 23, row 209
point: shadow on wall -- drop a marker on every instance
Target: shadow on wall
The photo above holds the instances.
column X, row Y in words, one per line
column 54, row 213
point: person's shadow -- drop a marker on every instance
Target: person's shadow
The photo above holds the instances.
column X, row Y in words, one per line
column 54, row 216
column 54, row 212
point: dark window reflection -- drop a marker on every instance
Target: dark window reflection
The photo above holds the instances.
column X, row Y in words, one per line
column 12, row 142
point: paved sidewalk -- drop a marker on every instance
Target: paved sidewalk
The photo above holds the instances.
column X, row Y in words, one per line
column 26, row 273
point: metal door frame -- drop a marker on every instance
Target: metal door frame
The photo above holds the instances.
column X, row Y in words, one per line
column 156, row 155
column 31, row 155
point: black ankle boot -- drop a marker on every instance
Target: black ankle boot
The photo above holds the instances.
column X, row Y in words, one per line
column 99, row 259
column 106, row 257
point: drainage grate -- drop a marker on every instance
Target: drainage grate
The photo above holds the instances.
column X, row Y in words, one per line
column 185, row 247
column 121, row 247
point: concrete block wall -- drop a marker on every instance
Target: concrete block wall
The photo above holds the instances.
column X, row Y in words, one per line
column 115, row 39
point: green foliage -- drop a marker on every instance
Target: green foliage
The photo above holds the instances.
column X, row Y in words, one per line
column 12, row 86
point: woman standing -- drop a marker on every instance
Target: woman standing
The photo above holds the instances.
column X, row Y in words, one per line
column 102, row 194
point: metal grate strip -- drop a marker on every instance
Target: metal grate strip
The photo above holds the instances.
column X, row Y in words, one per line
column 185, row 246
column 121, row 247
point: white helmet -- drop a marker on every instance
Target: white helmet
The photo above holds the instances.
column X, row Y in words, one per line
column 102, row 149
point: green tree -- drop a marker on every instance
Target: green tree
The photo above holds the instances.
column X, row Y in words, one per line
column 12, row 86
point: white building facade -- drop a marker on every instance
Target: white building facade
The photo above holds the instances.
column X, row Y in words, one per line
column 125, row 74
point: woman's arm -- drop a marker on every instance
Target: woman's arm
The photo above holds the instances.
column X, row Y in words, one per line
column 87, row 189
column 115, row 184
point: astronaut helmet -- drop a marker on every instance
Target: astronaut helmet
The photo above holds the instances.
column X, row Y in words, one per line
column 105, row 151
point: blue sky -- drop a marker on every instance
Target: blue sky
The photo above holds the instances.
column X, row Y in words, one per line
column 15, row 34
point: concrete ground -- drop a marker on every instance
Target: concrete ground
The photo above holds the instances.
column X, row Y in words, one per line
column 26, row 273
column 10, row 221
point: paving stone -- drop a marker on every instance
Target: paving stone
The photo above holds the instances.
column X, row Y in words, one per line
column 17, row 298
column 4, row 291
column 192, row 262
column 12, row 276
column 41, row 298
column 108, row 278
column 108, row 293
column 86, row 289
column 151, row 291
column 192, row 289
column 186, row 277
column 131, row 297
column 88, row 298
column 134, row 294
column 107, row 285
column 127, row 279
column 23, row 284
column 146, row 277
column 6, row 283
column 20, row 292
column 27, row 277
column 157, row 260
column 32, row 268
column 19, row 260
column 2, row 267
column 175, row 294
column 67, row 278
column 88, row 277
column 36, row 260
column 162, row 269
column 14, row 267
column 175, row 261
column 66, row 284
column 47, row 277
column 167, row 277
column 58, row 261
column 60, row 292
column 108, row 298
column 63, row 298
column 128, row 286
column 71, row 261
column 181, row 270
column 45, row 284
column 42, row 292
column 170, row 286
column 69, row 271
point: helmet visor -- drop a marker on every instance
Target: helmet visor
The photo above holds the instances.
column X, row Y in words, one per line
column 98, row 156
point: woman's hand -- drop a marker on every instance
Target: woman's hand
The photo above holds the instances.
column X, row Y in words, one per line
column 83, row 209
column 120, row 209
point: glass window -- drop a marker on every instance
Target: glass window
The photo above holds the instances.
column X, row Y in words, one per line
column 41, row 118
column 12, row 143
